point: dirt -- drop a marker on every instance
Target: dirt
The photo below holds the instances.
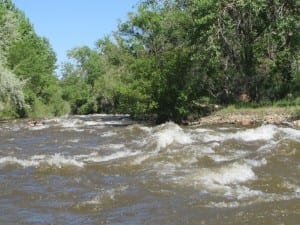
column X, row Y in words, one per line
column 250, row 117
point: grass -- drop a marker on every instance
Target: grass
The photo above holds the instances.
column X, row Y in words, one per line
column 290, row 111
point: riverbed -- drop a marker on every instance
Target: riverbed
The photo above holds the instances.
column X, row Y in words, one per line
column 109, row 169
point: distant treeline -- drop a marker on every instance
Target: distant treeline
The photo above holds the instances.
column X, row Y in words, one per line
column 171, row 59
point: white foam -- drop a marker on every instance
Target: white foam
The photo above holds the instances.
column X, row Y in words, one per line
column 256, row 163
column 70, row 123
column 252, row 197
column 59, row 161
column 73, row 129
column 291, row 133
column 114, row 123
column 233, row 204
column 114, row 156
column 213, row 138
column 93, row 123
column 13, row 128
column 292, row 187
column 108, row 134
column 229, row 156
column 146, row 129
column 233, row 174
column 221, row 158
column 241, row 192
column 205, row 151
column 9, row 160
column 56, row 160
column 170, row 133
column 37, row 157
column 265, row 133
column 116, row 146
column 139, row 159
column 222, row 179
column 38, row 127
column 73, row 140
column 105, row 195
column 203, row 130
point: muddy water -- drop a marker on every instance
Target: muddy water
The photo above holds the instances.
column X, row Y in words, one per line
column 105, row 169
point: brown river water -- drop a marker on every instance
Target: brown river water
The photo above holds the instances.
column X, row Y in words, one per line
column 103, row 169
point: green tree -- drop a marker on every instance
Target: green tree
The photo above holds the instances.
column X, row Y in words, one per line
column 76, row 91
column 30, row 61
column 173, row 58
column 33, row 60
column 258, row 40
column 12, row 98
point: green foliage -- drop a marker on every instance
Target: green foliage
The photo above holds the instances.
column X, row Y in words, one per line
column 12, row 98
column 27, row 68
column 8, row 32
column 76, row 92
column 172, row 58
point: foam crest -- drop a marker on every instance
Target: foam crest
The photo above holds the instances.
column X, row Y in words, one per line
column 256, row 163
column 59, row 161
column 93, row 123
column 292, row 187
column 139, row 159
column 241, row 192
column 108, row 134
column 291, row 133
column 103, row 197
column 114, row 156
column 71, row 123
column 223, row 179
column 207, row 135
column 203, row 130
column 246, row 197
column 116, row 146
column 9, row 160
column 233, row 174
column 38, row 127
column 73, row 140
column 170, row 133
column 265, row 133
column 56, row 160
column 233, row 204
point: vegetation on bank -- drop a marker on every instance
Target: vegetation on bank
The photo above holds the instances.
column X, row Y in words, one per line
column 28, row 85
column 171, row 58
column 249, row 116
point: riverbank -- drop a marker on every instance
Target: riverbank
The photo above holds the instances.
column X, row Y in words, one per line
column 286, row 116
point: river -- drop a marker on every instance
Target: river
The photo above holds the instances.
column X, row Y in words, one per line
column 104, row 169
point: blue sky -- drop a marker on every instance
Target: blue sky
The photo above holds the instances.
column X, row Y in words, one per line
column 71, row 23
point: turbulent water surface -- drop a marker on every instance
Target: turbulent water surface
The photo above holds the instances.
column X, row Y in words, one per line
column 103, row 169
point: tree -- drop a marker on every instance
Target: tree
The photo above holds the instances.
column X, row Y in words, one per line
column 9, row 30
column 174, row 58
column 11, row 94
column 258, row 40
column 33, row 60
column 88, row 62
column 75, row 90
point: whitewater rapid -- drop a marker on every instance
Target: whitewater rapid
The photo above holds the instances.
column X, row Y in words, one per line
column 112, row 163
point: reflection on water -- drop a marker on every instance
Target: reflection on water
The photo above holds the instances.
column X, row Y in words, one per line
column 103, row 169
